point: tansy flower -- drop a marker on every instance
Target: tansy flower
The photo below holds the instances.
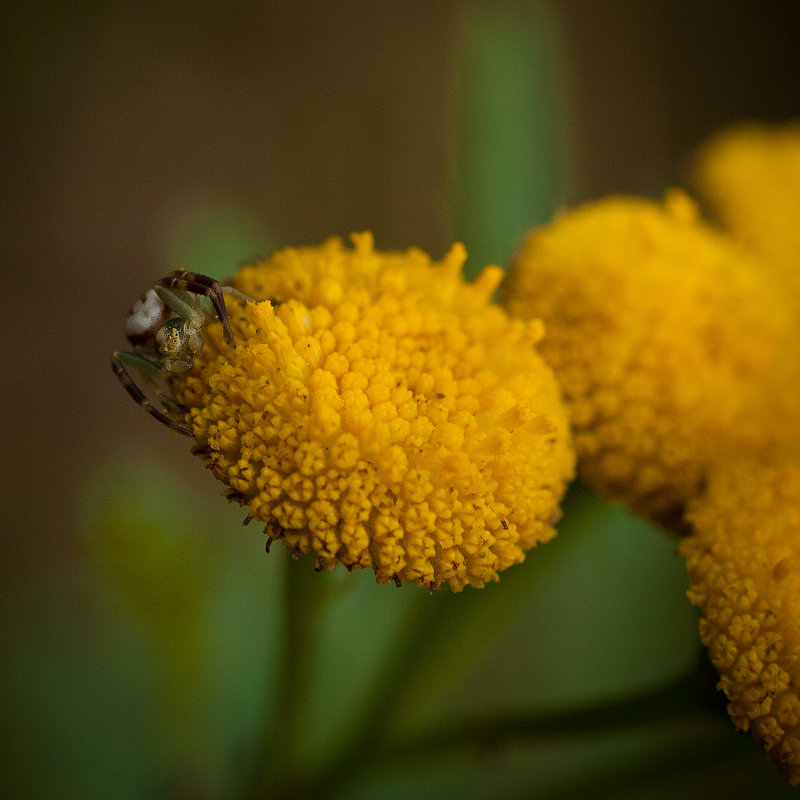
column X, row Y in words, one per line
column 750, row 175
column 744, row 568
column 671, row 346
column 381, row 412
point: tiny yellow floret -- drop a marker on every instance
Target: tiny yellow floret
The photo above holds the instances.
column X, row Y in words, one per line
column 671, row 347
column 381, row 412
column 750, row 175
column 744, row 569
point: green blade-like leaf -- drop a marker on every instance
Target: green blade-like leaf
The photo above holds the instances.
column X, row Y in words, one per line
column 511, row 154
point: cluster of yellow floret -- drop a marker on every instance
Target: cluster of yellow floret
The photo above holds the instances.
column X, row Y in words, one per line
column 671, row 345
column 744, row 553
column 381, row 412
column 677, row 347
column 750, row 176
column 744, row 567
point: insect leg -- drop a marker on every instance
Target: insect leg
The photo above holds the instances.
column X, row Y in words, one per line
column 136, row 393
column 193, row 282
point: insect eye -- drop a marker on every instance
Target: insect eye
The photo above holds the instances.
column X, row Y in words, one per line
column 171, row 336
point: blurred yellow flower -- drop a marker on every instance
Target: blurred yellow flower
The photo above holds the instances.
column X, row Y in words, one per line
column 672, row 348
column 744, row 568
column 750, row 175
column 383, row 413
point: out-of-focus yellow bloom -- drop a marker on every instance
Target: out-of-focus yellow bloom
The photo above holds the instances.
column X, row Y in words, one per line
column 672, row 348
column 744, row 568
column 750, row 175
column 383, row 413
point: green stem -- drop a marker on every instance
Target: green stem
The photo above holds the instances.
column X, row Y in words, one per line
column 665, row 706
column 278, row 771
column 669, row 704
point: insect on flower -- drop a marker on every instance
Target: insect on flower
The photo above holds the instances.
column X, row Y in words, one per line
column 164, row 328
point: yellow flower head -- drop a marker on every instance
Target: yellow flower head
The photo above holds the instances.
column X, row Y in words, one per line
column 381, row 412
column 750, row 175
column 669, row 344
column 744, row 568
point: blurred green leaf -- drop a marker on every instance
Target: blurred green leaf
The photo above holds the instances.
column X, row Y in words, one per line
column 511, row 154
column 73, row 721
column 177, row 573
column 355, row 645
column 693, row 759
column 606, row 616
column 214, row 238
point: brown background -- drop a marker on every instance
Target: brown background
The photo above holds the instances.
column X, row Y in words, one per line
column 309, row 119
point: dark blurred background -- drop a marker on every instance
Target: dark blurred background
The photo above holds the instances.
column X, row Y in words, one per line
column 129, row 128
column 139, row 137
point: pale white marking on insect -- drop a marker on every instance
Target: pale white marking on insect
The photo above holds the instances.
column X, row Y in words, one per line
column 165, row 328
column 145, row 318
